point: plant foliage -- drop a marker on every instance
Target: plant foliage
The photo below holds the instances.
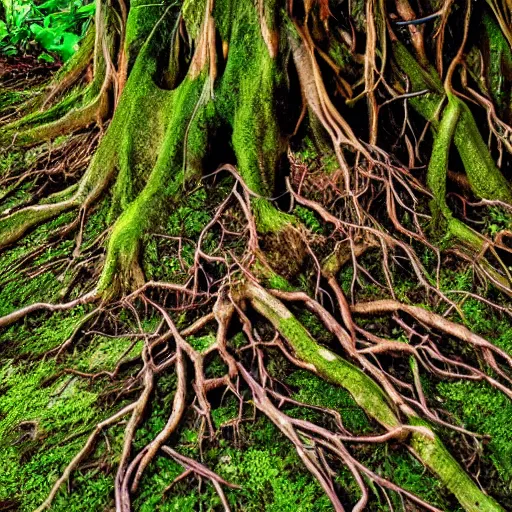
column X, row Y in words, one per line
column 52, row 29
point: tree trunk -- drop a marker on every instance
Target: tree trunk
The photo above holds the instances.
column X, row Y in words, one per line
column 302, row 122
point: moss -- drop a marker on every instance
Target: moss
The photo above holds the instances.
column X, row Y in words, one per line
column 248, row 89
column 338, row 371
column 34, row 119
column 485, row 178
column 372, row 400
column 271, row 278
column 16, row 288
column 223, row 15
column 193, row 12
column 483, row 409
column 135, row 135
column 268, row 218
column 102, row 353
column 476, row 405
column 201, row 343
column 9, row 98
column 14, row 226
column 256, row 141
column 142, row 18
column 436, row 177
column 63, row 410
column 308, row 218
column 498, row 64
column 121, row 270
column 57, row 410
column 340, row 54
column 160, row 259
column 137, row 131
column 99, row 172
column 315, row 391
column 197, row 138
column 329, row 365
column 78, row 107
column 271, row 475
column 438, row 166
column 436, row 456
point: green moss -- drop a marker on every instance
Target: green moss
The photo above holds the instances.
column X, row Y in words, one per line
column 198, row 135
column 498, row 219
column 372, row 400
column 142, row 18
column 436, row 456
column 223, row 16
column 338, row 371
column 248, row 90
column 483, row 175
column 58, row 410
column 315, row 391
column 476, row 405
column 271, row 475
column 485, row 178
column 437, row 173
column 14, row 226
column 75, row 109
column 160, row 260
column 268, row 218
column 308, row 218
column 9, row 98
column 141, row 119
column 37, row 118
column 498, row 64
column 329, row 365
column 278, row 283
column 16, row 288
column 438, row 166
column 164, row 182
column 481, row 408
column 101, row 169
column 193, row 12
column 201, row 343
column 63, row 410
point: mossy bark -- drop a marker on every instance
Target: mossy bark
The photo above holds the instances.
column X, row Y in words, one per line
column 485, row 178
column 157, row 143
column 370, row 397
column 242, row 101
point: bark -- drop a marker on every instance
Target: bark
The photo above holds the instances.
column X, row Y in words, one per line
column 197, row 91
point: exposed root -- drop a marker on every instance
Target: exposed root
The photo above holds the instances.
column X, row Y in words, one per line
column 234, row 279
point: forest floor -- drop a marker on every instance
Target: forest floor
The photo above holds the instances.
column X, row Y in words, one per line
column 47, row 413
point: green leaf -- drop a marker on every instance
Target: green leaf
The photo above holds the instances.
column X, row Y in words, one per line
column 46, row 37
column 20, row 13
column 69, row 45
column 87, row 9
column 3, row 30
column 46, row 57
column 52, row 4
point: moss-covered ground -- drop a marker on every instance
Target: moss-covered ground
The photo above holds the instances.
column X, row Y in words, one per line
column 46, row 414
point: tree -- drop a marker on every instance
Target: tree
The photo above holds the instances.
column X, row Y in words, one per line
column 222, row 97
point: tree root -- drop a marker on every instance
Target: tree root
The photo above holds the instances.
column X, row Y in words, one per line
column 236, row 273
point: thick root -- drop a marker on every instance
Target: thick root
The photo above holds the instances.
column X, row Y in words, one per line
column 371, row 398
column 485, row 178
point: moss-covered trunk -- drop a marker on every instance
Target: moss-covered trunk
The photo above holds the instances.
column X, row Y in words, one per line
column 240, row 180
